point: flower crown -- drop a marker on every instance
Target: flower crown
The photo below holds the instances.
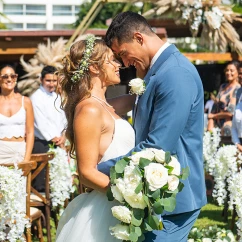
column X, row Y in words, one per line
column 84, row 64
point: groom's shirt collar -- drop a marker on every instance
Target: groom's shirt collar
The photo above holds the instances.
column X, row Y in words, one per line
column 158, row 53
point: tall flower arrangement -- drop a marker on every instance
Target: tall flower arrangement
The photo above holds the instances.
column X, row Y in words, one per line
column 211, row 140
column 13, row 219
column 145, row 184
column 60, row 177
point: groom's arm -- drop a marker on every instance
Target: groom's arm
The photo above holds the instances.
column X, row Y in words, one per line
column 174, row 96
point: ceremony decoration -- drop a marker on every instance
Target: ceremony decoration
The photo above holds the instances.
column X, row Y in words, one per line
column 148, row 180
column 211, row 140
column 60, row 177
column 212, row 18
column 13, row 220
column 210, row 234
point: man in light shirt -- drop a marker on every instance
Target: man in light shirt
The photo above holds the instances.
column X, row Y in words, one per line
column 49, row 119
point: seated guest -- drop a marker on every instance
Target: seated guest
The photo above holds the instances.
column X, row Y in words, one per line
column 49, row 119
column 16, row 120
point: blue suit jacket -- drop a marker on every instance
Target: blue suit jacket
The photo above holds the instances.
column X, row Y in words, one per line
column 169, row 116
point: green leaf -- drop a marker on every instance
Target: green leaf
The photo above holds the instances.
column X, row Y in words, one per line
column 146, row 199
column 180, row 186
column 137, row 216
column 156, row 194
column 133, row 237
column 158, row 207
column 185, row 173
column 110, row 194
column 141, row 238
column 120, row 165
column 143, row 162
column 147, row 227
column 138, row 188
column 138, row 231
column 167, row 157
column 170, row 169
column 168, row 203
column 112, row 174
column 153, row 221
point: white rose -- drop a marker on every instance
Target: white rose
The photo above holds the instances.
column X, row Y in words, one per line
column 156, row 175
column 206, row 240
column 137, row 86
column 132, row 178
column 120, row 231
column 134, row 200
column 122, row 213
column 190, row 240
column 117, row 194
column 176, row 165
column 147, row 154
column 159, row 155
column 120, row 185
column 231, row 236
column 173, row 183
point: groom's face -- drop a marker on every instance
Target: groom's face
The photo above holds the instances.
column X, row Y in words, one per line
column 132, row 53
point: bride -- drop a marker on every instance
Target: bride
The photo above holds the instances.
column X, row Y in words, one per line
column 96, row 134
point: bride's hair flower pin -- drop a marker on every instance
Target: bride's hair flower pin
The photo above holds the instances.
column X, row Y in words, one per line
column 137, row 86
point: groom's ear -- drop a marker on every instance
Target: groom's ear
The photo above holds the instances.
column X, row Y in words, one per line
column 138, row 37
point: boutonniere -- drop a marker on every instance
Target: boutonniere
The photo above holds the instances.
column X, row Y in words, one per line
column 137, row 86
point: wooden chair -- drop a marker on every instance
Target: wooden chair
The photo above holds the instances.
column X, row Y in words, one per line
column 33, row 214
column 39, row 199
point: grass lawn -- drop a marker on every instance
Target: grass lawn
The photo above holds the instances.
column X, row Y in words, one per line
column 211, row 214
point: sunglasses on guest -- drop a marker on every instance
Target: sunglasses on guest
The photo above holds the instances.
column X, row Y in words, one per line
column 12, row 76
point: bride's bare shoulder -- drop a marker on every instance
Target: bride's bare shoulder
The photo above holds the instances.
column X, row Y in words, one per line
column 88, row 108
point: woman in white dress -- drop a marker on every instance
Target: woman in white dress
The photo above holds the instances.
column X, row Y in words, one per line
column 96, row 133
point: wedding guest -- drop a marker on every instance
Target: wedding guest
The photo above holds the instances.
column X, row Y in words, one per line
column 239, row 92
column 49, row 119
column 223, row 109
column 16, row 120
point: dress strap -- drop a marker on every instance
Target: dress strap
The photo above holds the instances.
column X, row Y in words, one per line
column 104, row 107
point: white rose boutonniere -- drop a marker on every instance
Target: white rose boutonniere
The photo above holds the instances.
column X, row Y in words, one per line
column 137, row 86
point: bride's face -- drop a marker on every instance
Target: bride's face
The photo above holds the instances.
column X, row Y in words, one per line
column 111, row 68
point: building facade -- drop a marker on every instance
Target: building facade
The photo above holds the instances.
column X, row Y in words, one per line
column 39, row 14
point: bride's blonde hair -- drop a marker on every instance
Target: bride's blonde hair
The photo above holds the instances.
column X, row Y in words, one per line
column 74, row 92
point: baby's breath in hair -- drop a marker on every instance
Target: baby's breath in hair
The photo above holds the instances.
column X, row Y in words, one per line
column 84, row 64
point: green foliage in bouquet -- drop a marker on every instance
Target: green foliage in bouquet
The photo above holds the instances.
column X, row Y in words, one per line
column 211, row 233
column 146, row 185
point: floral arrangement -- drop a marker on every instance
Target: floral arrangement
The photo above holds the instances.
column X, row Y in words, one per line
column 145, row 184
column 211, row 140
column 214, row 17
column 60, row 177
column 137, row 86
column 84, row 64
column 13, row 219
column 210, row 234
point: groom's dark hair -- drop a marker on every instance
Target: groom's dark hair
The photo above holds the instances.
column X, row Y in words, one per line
column 124, row 25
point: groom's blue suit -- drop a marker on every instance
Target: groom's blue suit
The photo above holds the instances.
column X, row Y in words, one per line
column 169, row 116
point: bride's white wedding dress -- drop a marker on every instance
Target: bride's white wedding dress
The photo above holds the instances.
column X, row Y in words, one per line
column 88, row 217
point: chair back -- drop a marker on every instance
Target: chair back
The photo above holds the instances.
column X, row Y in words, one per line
column 42, row 159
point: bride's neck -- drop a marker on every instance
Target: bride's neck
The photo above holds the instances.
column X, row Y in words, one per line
column 98, row 90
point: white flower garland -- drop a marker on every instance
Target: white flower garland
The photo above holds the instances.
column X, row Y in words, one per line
column 211, row 142
column 60, row 177
column 12, row 204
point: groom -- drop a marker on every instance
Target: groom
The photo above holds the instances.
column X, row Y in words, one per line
column 168, row 116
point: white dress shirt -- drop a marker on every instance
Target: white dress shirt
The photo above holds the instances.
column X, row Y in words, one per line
column 49, row 119
column 237, row 124
column 158, row 53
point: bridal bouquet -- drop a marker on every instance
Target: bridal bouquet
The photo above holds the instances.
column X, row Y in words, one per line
column 145, row 184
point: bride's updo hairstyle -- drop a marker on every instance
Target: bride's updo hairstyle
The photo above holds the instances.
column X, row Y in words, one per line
column 75, row 78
